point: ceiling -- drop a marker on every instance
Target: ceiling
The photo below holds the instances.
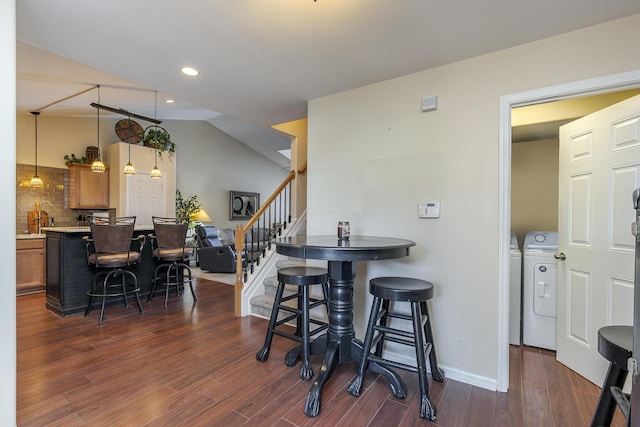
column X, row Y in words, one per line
column 261, row 61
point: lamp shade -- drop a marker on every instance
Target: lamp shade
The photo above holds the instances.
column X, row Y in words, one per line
column 201, row 216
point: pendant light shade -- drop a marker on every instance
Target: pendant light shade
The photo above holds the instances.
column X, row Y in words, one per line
column 155, row 173
column 128, row 168
column 97, row 165
column 36, row 181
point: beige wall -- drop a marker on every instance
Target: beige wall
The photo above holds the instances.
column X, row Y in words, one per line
column 534, row 187
column 373, row 155
column 298, row 131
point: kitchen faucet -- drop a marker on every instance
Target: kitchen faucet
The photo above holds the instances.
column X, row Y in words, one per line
column 40, row 210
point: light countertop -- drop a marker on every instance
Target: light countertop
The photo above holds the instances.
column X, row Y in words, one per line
column 30, row 236
column 85, row 229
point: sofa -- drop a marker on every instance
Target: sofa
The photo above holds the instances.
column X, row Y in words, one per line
column 216, row 251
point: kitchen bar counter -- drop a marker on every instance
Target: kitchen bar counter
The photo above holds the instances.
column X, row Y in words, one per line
column 69, row 277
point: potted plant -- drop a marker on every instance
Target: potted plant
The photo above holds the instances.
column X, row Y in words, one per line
column 158, row 138
column 186, row 208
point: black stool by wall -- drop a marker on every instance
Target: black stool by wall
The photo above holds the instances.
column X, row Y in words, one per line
column 614, row 344
column 401, row 289
column 303, row 277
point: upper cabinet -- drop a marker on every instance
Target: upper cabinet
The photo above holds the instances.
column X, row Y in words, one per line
column 87, row 189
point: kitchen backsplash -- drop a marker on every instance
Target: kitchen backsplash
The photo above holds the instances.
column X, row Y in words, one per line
column 55, row 181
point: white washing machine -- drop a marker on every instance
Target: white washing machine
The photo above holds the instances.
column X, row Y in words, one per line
column 539, row 289
column 515, row 290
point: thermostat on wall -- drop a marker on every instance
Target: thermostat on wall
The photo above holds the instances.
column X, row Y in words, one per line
column 429, row 210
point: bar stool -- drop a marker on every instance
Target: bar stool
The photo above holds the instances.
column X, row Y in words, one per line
column 615, row 344
column 401, row 289
column 109, row 251
column 169, row 250
column 302, row 277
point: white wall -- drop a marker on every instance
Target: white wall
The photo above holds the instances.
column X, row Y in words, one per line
column 210, row 163
column 373, row 155
column 7, row 214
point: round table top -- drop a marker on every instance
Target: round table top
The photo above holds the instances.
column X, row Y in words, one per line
column 330, row 248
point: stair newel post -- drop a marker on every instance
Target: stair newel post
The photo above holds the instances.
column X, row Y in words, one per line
column 239, row 239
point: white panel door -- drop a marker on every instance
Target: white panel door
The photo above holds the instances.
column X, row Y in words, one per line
column 145, row 197
column 599, row 169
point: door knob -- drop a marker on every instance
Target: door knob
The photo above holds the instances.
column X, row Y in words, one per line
column 560, row 255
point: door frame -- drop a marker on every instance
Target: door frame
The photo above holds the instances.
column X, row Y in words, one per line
column 595, row 86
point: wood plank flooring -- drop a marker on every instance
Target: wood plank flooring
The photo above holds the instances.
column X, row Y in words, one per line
column 194, row 365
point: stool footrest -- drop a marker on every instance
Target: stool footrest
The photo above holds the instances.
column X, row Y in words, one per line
column 392, row 363
column 622, row 399
column 388, row 330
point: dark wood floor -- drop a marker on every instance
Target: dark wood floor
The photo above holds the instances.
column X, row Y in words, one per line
column 195, row 366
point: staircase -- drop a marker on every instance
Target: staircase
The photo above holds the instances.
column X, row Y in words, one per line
column 261, row 305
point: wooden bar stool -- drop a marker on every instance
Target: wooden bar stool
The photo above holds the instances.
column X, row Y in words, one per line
column 302, row 277
column 416, row 292
column 615, row 344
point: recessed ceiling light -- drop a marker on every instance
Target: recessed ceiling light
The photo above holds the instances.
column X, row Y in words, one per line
column 190, row 71
column 169, row 101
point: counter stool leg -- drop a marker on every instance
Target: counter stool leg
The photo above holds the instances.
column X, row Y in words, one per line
column 436, row 372
column 193, row 293
column 383, row 323
column 263, row 354
column 606, row 403
column 356, row 385
column 137, row 293
column 427, row 410
column 306, row 372
column 93, row 291
column 153, row 282
column 104, row 298
column 166, row 290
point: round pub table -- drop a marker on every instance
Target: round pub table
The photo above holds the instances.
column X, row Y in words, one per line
column 340, row 344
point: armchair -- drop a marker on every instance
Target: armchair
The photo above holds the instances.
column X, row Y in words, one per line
column 214, row 254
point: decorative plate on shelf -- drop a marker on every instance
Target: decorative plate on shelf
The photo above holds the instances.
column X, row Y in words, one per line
column 129, row 131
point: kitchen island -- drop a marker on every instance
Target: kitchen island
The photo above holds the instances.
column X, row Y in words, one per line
column 69, row 277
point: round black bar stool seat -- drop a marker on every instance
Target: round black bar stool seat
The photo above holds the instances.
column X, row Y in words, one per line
column 302, row 277
column 615, row 344
column 416, row 292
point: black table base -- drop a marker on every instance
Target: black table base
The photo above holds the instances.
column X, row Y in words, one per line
column 340, row 344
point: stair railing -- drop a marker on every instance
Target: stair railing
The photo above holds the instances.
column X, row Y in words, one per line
column 268, row 222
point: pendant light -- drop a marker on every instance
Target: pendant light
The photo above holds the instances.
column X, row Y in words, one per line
column 129, row 169
column 36, row 181
column 155, row 172
column 97, row 165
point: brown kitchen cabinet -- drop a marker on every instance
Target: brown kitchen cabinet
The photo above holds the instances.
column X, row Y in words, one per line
column 88, row 189
column 30, row 265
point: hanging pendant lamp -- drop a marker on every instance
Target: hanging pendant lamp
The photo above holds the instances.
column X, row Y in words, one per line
column 97, row 165
column 128, row 168
column 36, row 181
column 155, row 172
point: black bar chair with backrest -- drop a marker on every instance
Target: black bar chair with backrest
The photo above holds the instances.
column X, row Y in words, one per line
column 169, row 249
column 109, row 251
